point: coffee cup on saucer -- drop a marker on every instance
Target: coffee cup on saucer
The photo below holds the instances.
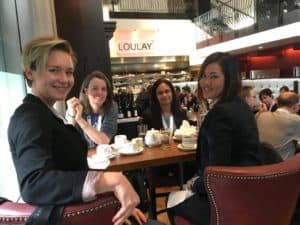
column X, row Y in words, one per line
column 138, row 142
column 120, row 140
column 103, row 151
column 189, row 142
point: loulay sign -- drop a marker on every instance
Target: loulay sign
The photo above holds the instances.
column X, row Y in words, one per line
column 135, row 46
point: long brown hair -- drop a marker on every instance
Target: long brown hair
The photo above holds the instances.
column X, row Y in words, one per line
column 87, row 109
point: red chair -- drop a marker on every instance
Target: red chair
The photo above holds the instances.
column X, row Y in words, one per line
column 254, row 195
column 99, row 211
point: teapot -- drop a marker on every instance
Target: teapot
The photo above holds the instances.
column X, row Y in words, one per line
column 152, row 138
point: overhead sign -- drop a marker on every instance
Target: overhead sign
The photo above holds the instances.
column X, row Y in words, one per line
column 130, row 42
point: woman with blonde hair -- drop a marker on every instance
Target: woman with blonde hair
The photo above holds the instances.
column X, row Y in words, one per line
column 50, row 156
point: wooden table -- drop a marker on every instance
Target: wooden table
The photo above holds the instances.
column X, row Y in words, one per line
column 151, row 157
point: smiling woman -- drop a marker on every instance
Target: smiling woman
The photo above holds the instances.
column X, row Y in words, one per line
column 49, row 155
column 228, row 133
column 94, row 113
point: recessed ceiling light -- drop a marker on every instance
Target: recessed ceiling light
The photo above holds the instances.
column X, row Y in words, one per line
column 260, row 47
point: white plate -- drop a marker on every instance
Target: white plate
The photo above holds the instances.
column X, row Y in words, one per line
column 124, row 152
column 187, row 149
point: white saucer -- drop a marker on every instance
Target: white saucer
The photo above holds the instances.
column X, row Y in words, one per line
column 187, row 149
column 124, row 152
column 98, row 164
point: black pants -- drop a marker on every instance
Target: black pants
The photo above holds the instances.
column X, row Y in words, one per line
column 196, row 209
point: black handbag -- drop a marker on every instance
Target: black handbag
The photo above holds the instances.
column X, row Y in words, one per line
column 43, row 215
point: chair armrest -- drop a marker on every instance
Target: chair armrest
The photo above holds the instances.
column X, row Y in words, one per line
column 94, row 212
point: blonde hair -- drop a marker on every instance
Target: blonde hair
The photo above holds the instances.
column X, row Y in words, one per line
column 36, row 53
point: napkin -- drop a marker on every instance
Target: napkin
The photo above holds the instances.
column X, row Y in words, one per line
column 177, row 197
column 185, row 130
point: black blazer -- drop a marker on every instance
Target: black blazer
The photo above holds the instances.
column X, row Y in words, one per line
column 228, row 136
column 49, row 156
column 153, row 119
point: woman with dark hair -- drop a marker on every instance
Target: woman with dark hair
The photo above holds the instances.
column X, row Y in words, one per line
column 164, row 111
column 228, row 134
column 94, row 113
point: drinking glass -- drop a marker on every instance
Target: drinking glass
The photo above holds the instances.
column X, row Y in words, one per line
column 165, row 138
column 141, row 130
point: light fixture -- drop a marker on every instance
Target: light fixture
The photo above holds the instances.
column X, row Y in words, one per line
column 284, row 7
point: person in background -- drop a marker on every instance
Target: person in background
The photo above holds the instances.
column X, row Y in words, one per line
column 282, row 128
column 266, row 97
column 249, row 95
column 228, row 135
column 164, row 111
column 177, row 91
column 143, row 100
column 187, row 99
column 284, row 88
column 94, row 113
column 49, row 155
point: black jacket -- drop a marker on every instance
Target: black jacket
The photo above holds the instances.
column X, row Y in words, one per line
column 153, row 119
column 228, row 137
column 49, row 156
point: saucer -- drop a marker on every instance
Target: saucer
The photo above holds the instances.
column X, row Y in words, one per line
column 124, row 152
column 100, row 164
column 187, row 149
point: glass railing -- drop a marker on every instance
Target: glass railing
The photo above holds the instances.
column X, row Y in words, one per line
column 233, row 19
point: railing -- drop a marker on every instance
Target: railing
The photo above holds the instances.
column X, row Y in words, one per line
column 231, row 15
column 229, row 19
column 150, row 6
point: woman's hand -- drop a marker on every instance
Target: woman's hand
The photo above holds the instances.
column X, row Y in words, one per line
column 139, row 216
column 74, row 108
column 124, row 192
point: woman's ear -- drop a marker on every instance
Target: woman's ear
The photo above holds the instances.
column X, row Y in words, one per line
column 28, row 74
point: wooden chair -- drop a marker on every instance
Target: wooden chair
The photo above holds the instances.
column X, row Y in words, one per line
column 99, row 211
column 252, row 195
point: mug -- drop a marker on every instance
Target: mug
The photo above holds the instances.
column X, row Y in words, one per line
column 138, row 142
column 104, row 151
column 189, row 142
column 120, row 140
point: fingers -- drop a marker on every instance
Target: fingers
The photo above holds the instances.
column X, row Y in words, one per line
column 139, row 216
column 122, row 216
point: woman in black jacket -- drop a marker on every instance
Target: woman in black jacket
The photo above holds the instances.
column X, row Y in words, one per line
column 228, row 134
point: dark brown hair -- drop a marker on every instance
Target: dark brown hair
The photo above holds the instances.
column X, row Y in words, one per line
column 83, row 98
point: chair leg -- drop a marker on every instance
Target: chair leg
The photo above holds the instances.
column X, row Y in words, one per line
column 152, row 194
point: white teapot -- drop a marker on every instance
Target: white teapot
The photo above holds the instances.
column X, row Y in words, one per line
column 152, row 138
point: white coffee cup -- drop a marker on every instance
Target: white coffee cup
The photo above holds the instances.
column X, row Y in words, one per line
column 133, row 147
column 103, row 151
column 120, row 140
column 138, row 142
column 189, row 142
